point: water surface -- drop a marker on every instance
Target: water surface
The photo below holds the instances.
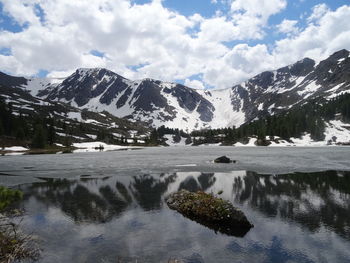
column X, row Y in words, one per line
column 105, row 207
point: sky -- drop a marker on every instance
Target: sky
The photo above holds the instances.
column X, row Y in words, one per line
column 199, row 43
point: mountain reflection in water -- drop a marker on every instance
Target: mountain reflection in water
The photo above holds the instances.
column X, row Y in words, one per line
column 309, row 201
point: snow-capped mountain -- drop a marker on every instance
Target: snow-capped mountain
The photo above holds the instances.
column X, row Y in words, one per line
column 177, row 106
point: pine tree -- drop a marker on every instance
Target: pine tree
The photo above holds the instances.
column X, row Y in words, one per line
column 2, row 131
column 20, row 134
column 101, row 136
column 188, row 140
column 67, row 142
column 39, row 138
column 177, row 138
column 154, row 137
column 51, row 136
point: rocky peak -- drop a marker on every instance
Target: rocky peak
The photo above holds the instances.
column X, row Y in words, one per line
column 95, row 73
column 341, row 54
column 263, row 80
column 85, row 84
column 302, row 67
column 11, row 81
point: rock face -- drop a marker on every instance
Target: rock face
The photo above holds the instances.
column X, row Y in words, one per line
column 223, row 159
column 215, row 213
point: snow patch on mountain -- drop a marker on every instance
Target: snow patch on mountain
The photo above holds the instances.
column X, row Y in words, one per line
column 310, row 88
column 337, row 132
column 224, row 114
column 75, row 115
column 34, row 85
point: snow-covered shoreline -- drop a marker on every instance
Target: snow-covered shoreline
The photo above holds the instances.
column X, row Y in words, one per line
column 100, row 146
column 14, row 149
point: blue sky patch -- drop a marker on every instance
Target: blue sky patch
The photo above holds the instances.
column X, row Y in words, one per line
column 97, row 53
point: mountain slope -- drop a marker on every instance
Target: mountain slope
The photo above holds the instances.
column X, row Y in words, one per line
column 274, row 91
column 146, row 100
column 318, row 122
column 21, row 113
column 176, row 106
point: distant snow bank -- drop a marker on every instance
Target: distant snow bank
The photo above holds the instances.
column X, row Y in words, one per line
column 251, row 142
column 170, row 141
column 335, row 132
column 16, row 149
column 95, row 147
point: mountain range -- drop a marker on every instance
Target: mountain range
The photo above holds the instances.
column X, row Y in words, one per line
column 156, row 103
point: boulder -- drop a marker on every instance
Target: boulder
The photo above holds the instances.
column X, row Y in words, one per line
column 223, row 159
column 210, row 211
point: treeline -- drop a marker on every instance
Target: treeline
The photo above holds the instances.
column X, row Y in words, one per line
column 39, row 130
column 157, row 135
column 309, row 118
column 107, row 137
column 31, row 131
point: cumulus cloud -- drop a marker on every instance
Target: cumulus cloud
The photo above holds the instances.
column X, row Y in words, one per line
column 317, row 40
column 264, row 8
column 288, row 27
column 238, row 64
column 252, row 15
column 317, row 12
column 149, row 40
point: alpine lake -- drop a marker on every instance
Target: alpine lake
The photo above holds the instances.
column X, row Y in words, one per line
column 109, row 206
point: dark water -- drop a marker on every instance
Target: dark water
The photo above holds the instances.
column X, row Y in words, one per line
column 109, row 207
column 301, row 217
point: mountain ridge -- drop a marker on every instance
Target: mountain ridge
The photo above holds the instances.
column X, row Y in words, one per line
column 176, row 106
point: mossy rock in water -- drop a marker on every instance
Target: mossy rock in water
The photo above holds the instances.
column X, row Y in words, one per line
column 210, row 211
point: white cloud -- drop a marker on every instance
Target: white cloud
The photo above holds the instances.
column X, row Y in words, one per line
column 288, row 27
column 60, row 74
column 163, row 43
column 318, row 11
column 9, row 64
column 240, row 63
column 317, row 41
column 22, row 11
column 253, row 15
column 217, row 29
column 264, row 8
column 195, row 84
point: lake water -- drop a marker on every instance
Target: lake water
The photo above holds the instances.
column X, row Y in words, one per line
column 109, row 206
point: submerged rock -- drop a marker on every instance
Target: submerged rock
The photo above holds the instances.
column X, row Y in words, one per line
column 223, row 159
column 210, row 211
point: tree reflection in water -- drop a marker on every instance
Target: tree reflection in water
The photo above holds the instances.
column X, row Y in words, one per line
column 311, row 199
column 94, row 200
column 148, row 190
column 202, row 183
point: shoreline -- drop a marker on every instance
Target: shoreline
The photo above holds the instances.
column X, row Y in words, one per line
column 113, row 147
